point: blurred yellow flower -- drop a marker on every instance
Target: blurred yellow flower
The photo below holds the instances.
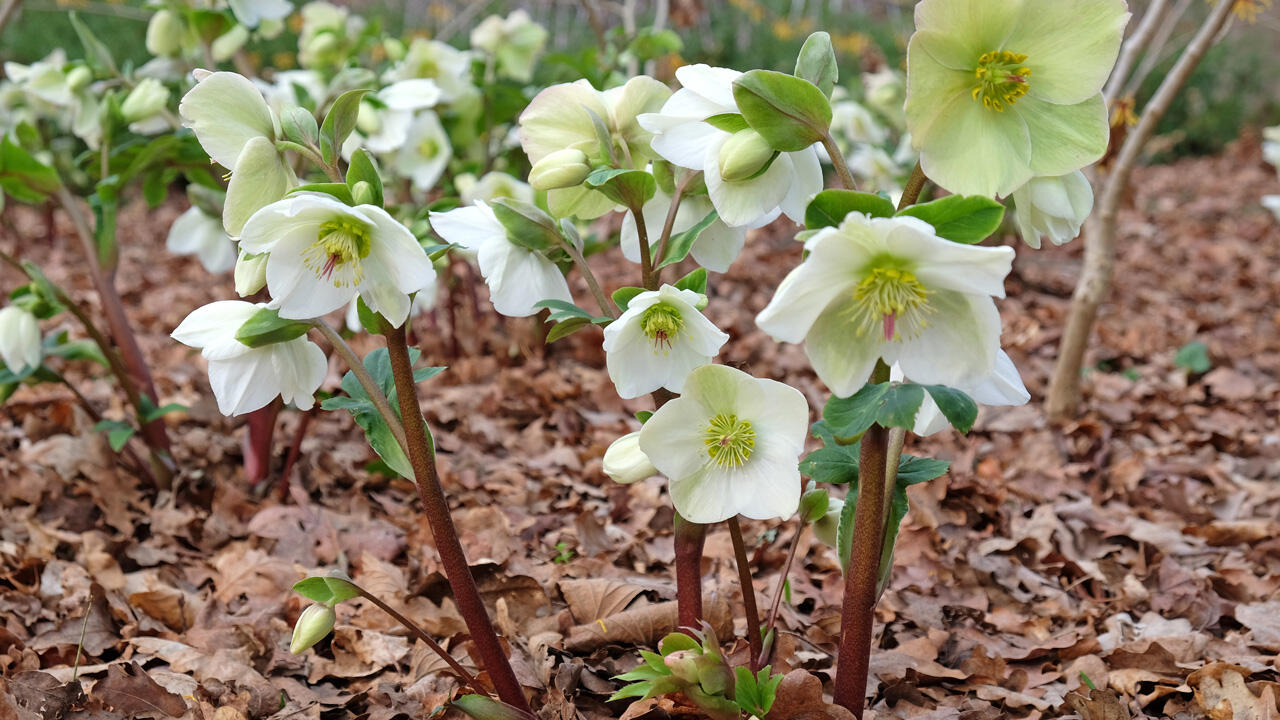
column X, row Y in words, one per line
column 1248, row 10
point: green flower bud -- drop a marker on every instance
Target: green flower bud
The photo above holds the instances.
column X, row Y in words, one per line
column 683, row 664
column 367, row 120
column 714, row 676
column 299, row 125
column 145, row 100
column 743, row 155
column 164, row 34
column 813, row 504
column 826, row 527
column 313, row 624
column 560, row 169
column 79, row 78
column 395, row 49
column 251, row 273
column 226, row 45
column 362, row 193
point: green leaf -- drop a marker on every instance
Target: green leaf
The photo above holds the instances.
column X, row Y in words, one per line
column 886, row 404
column 339, row 123
column 118, row 432
column 526, row 225
column 964, row 219
column 817, row 62
column 913, row 470
column 337, row 190
column 96, row 52
column 729, row 122
column 155, row 413
column 644, row 415
column 22, row 176
column 958, row 408
column 567, row 327
column 364, row 169
column 566, row 309
column 624, row 295
column 681, row 243
column 327, row 589
column 266, row 327
column 844, row 530
column 629, row 188
column 830, row 207
column 1193, row 357
column 695, row 281
column 836, row 464
column 790, row 112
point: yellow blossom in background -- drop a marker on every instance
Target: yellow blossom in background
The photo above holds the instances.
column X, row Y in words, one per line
column 1123, row 112
column 1248, row 10
column 754, row 11
column 852, row 43
column 283, row 61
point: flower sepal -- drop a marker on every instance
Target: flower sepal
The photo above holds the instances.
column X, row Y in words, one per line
column 266, row 327
column 790, row 112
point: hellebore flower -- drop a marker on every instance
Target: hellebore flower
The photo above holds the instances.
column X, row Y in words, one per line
column 625, row 462
column 387, row 127
column 658, row 341
column 514, row 42
column 313, row 625
column 999, row 91
column 1002, row 386
column 425, row 152
column 19, row 339
column 449, row 67
column 247, row 378
column 1055, row 207
column 323, row 253
column 716, row 247
column 747, row 183
column 891, row 288
column 252, row 12
column 517, row 276
column 199, row 234
column 730, row 445
column 559, row 118
column 492, row 186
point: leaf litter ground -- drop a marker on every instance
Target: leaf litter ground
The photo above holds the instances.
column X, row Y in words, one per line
column 1137, row 547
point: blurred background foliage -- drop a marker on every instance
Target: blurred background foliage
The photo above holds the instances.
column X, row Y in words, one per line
column 1237, row 85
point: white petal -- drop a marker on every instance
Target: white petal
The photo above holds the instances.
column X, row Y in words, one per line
column 830, row 270
column 673, row 437
column 261, row 178
column 244, row 383
column 518, row 278
column 412, row 94
column 296, row 291
column 215, row 324
column 806, row 182
column 300, row 366
column 471, row 227
column 294, row 217
column 225, row 111
column 961, row 341
column 713, row 83
column 744, row 201
column 842, row 359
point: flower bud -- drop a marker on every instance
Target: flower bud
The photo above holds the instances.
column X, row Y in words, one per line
column 625, row 462
column 683, row 664
column 164, row 34
column 714, row 676
column 826, row 527
column 226, row 45
column 19, row 339
column 145, row 100
column 1055, row 207
column 560, row 169
column 299, row 125
column 313, row 624
column 813, row 504
column 362, row 193
column 743, row 155
column 394, row 48
column 79, row 78
column 251, row 273
column 367, row 120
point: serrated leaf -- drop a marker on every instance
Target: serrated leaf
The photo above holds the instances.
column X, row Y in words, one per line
column 830, row 207
column 790, row 112
column 957, row 407
column 888, row 404
column 964, row 219
column 836, row 464
column 913, row 470
column 681, row 244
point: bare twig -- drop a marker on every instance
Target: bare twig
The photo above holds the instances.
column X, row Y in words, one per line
column 1133, row 47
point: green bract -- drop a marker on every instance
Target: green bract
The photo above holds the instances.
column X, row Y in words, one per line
column 1000, row 91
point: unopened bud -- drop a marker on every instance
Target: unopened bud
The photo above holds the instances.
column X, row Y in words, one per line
column 367, row 120
column 145, row 100
column 625, row 462
column 560, row 169
column 743, row 155
column 394, row 48
column 683, row 664
column 251, row 273
column 299, row 125
column 714, row 676
column 79, row 78
column 226, row 45
column 813, row 504
column 362, row 193
column 826, row 527
column 313, row 625
column 164, row 34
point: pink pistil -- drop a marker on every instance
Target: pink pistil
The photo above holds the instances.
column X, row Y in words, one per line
column 889, row 321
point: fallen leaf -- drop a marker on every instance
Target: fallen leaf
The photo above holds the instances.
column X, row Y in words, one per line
column 1221, row 692
column 129, row 690
column 1099, row 704
column 41, row 693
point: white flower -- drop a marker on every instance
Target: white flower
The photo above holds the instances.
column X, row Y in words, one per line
column 492, row 186
column 1272, row 203
column 716, row 247
column 855, row 124
column 891, row 288
column 730, row 444
column 251, row 12
column 322, row 253
column 283, row 92
column 423, row 302
column 517, row 277
column 244, row 378
column 19, row 339
column 425, row 152
column 1002, row 386
column 658, row 341
column 387, row 127
column 195, row 233
column 327, row 31
column 147, row 99
column 1053, row 206
column 872, row 164
column 449, row 67
column 1271, row 146
column 514, row 41
column 681, row 136
column 250, row 274
column 624, row 462
column 68, row 88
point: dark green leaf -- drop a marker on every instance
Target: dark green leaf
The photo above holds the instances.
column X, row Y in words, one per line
column 830, row 207
column 339, row 123
column 681, row 243
column 958, row 408
column 567, row 327
column 118, row 432
column 836, row 464
column 364, row 169
column 629, row 188
column 964, row 219
column 695, row 281
column 623, row 296
column 888, row 404
column 790, row 112
column 337, row 190
column 913, row 470
column 266, row 327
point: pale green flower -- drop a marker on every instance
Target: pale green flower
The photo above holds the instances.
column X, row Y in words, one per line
column 19, row 339
column 514, row 41
column 625, row 462
column 1000, row 91
column 1055, row 207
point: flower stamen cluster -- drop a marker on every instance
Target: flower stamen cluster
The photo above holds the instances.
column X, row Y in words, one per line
column 1002, row 79
column 340, row 243
column 887, row 295
column 729, row 440
column 662, row 323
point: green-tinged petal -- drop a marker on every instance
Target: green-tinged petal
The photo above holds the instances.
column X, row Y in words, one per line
column 949, row 50
column 260, row 179
column 929, row 84
column 984, row 24
column 582, row 201
column 225, row 111
column 1064, row 137
column 668, row 441
column 719, row 388
column 1070, row 46
column 977, row 151
column 641, row 94
column 557, row 118
column 842, row 359
column 960, row 342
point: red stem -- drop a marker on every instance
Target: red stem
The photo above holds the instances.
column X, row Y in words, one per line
column 690, row 538
column 258, row 432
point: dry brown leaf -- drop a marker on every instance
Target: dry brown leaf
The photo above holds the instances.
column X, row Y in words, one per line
column 1263, row 620
column 593, row 598
column 1099, row 704
column 644, row 625
column 799, row 697
column 129, row 690
column 43, row 694
column 1221, row 692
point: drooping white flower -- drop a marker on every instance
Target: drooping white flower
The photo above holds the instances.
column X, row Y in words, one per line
column 658, row 341
column 425, row 152
column 517, row 277
column 682, row 137
column 423, row 302
column 514, row 41
column 244, row 378
column 252, row 12
column 492, row 186
column 716, row 247
column 624, row 462
column 19, row 339
column 195, row 233
column 144, row 103
column 69, row 88
column 891, row 288
column 1002, row 386
column 323, row 253
column 730, row 445
column 1055, row 207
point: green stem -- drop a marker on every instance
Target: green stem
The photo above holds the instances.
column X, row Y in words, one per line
column 371, row 388
column 670, row 222
column 837, row 160
column 606, row 305
column 647, row 278
column 748, row 591
column 436, row 507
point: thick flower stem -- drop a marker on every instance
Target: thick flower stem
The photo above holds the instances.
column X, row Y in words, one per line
column 436, row 506
column 690, row 537
column 669, row 224
column 857, row 619
column 748, row 591
column 915, row 183
column 837, row 160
